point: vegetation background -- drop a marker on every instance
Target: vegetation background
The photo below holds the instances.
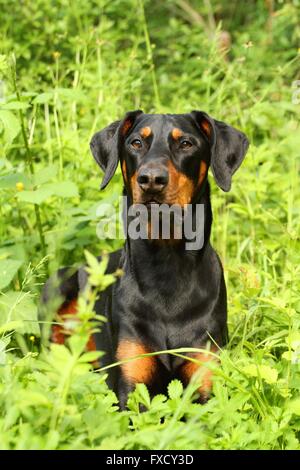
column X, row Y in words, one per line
column 70, row 68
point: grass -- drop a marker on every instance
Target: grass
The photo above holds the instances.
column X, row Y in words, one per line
column 76, row 70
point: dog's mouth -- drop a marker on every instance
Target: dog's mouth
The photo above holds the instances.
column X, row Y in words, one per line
column 155, row 203
column 151, row 202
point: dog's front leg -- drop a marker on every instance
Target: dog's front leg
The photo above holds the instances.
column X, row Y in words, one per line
column 136, row 367
column 199, row 369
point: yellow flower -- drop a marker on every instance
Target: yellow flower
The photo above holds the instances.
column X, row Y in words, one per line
column 32, row 338
column 56, row 55
column 20, row 186
column 119, row 272
column 248, row 44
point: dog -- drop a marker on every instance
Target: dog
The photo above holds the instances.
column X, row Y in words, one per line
column 168, row 297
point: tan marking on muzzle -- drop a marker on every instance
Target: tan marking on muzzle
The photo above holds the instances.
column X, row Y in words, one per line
column 135, row 188
column 180, row 188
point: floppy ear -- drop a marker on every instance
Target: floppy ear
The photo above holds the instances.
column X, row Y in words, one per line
column 106, row 145
column 228, row 147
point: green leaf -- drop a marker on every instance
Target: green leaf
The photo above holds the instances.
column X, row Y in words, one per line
column 93, row 261
column 90, row 356
column 11, row 125
column 274, row 302
column 35, row 197
column 8, row 269
column 52, row 441
column 38, row 196
column 4, row 342
column 267, row 373
column 294, row 406
column 288, row 355
column 33, row 398
column 43, row 98
column 69, row 94
column 59, row 357
column 15, row 105
column 45, row 174
column 112, row 443
column 77, row 344
column 4, row 65
column 143, row 394
column 293, row 340
column 10, row 181
column 63, row 189
column 175, row 389
column 10, row 326
column 96, row 271
column 19, row 307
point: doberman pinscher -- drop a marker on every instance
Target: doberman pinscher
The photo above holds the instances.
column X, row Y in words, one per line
column 168, row 297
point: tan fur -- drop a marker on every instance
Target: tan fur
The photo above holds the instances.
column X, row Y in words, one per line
column 202, row 172
column 138, row 370
column 180, row 188
column 189, row 368
column 145, row 132
column 124, row 171
column 135, row 189
column 176, row 133
column 126, row 126
column 206, row 127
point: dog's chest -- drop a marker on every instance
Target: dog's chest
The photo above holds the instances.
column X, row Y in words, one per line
column 167, row 306
column 161, row 307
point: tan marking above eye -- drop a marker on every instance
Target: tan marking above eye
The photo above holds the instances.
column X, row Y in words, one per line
column 176, row 133
column 145, row 132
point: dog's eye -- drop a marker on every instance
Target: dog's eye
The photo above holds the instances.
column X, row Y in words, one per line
column 185, row 144
column 136, row 143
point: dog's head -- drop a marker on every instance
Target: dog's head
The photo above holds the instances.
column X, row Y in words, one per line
column 165, row 157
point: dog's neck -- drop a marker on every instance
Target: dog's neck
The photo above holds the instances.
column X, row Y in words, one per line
column 171, row 249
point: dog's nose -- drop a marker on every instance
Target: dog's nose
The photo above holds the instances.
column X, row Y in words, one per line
column 153, row 179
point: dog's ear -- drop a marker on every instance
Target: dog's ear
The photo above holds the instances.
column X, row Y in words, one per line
column 228, row 147
column 106, row 145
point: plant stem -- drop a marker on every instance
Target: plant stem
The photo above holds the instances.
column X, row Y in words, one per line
column 150, row 55
column 29, row 159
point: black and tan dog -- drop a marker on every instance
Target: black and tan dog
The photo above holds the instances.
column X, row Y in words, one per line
column 168, row 297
